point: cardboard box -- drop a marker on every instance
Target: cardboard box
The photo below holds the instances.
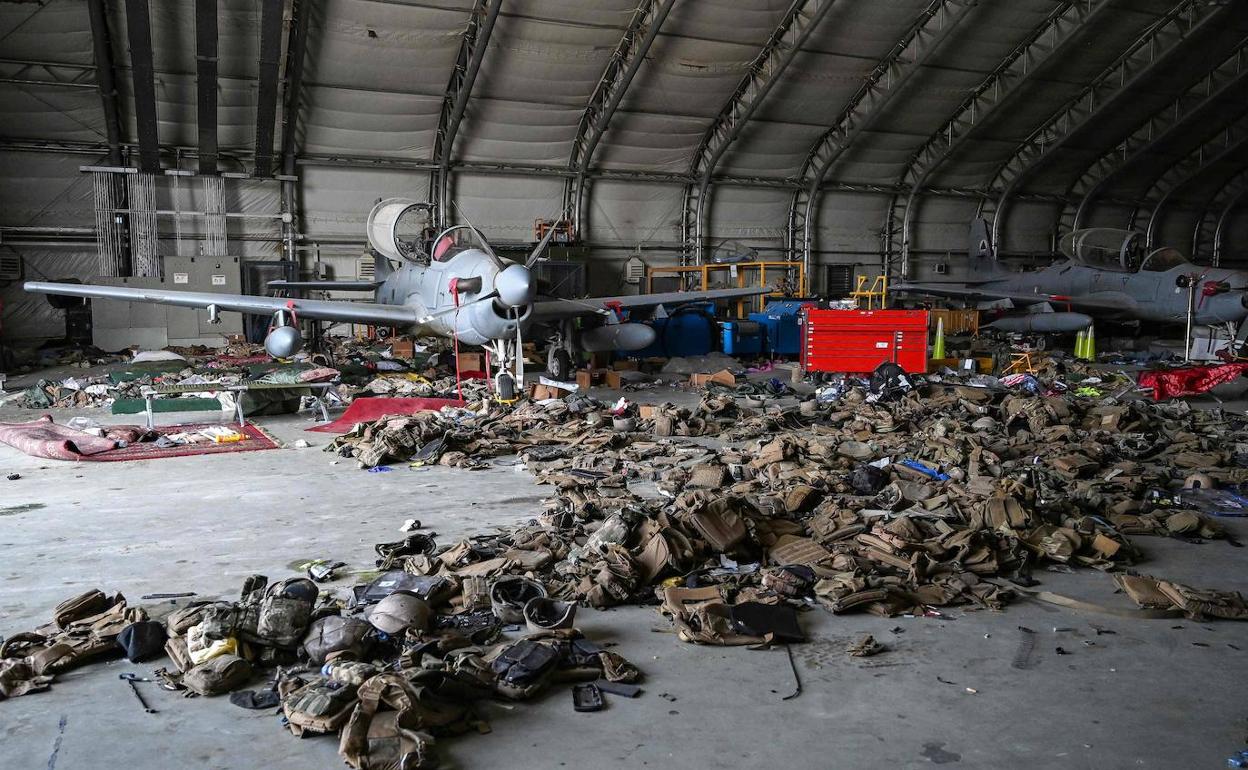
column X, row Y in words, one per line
column 540, row 392
column 471, row 362
column 402, row 349
column 624, row 365
column 723, row 377
column 612, row 379
column 647, row 411
column 587, row 378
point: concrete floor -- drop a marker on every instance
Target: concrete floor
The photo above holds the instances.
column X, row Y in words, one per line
column 1155, row 693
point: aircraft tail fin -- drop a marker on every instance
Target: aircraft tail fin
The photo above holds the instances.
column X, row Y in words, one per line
column 979, row 249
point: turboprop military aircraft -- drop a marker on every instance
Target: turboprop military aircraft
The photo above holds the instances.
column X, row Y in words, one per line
column 452, row 285
column 1106, row 273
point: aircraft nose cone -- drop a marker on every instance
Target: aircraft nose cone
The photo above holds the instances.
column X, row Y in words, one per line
column 515, row 286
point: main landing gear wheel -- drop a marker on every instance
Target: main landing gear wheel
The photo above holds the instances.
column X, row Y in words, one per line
column 559, row 364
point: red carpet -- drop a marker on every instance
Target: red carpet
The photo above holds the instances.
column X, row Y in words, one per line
column 369, row 409
column 256, row 441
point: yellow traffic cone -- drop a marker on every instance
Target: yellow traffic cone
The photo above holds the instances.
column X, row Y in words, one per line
column 1079, row 338
column 938, row 347
column 1089, row 344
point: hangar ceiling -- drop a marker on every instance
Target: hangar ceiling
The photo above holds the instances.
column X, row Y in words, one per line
column 829, row 130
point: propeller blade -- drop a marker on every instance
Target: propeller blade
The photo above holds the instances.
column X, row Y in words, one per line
column 485, row 245
column 540, row 247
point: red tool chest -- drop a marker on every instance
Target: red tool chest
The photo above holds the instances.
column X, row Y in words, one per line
column 857, row 341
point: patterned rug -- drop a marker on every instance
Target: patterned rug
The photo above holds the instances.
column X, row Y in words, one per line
column 255, row 441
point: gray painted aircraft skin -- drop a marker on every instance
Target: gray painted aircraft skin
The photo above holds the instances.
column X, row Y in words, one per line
column 495, row 304
column 1104, row 275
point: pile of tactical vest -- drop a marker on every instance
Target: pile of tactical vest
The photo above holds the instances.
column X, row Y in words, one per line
column 890, row 500
column 731, row 520
column 401, row 665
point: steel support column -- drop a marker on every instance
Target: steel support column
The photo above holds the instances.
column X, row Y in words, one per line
column 621, row 68
column 889, row 78
column 206, row 83
column 266, row 97
column 1219, row 235
column 296, row 52
column 139, row 28
column 108, row 191
column 794, row 29
column 1205, row 234
column 471, row 53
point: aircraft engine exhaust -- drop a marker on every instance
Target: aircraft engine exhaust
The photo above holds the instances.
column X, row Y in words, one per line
column 1042, row 323
column 283, row 342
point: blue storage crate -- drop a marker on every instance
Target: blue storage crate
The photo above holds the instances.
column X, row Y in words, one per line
column 781, row 326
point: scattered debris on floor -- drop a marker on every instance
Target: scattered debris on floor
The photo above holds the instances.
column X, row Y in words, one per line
column 896, row 499
column 865, row 646
column 891, row 495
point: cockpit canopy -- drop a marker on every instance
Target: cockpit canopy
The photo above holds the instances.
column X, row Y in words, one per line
column 1163, row 259
column 1105, row 248
column 457, row 239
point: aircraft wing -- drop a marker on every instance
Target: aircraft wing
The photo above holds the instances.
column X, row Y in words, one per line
column 326, row 285
column 568, row 308
column 324, row 310
column 1104, row 302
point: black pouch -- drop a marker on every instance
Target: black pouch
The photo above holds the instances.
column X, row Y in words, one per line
column 434, row 589
column 142, row 641
column 868, row 479
column 524, row 667
column 774, row 622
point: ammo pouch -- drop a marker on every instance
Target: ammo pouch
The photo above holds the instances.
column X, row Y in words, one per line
column 667, row 551
column 351, row 672
column 17, row 677
column 466, row 677
column 178, row 652
column 218, row 621
column 384, row 740
column 83, row 639
column 320, row 706
column 219, row 675
column 720, row 523
column 182, row 619
column 523, row 668
column 702, row 617
column 85, row 605
column 48, row 656
column 337, row 634
column 285, row 611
